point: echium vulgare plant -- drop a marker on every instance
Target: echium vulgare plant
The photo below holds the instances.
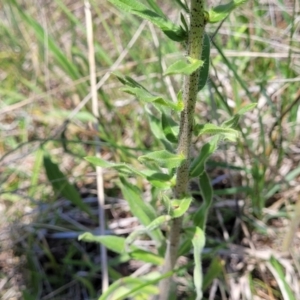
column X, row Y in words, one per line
column 170, row 170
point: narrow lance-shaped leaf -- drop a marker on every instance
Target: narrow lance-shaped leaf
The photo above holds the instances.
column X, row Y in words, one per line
column 134, row 88
column 155, row 280
column 183, row 5
column 155, row 125
column 156, row 129
column 156, row 223
column 132, row 237
column 61, row 184
column 183, row 66
column 147, row 97
column 246, row 108
column 111, row 242
column 170, row 128
column 214, row 270
column 157, row 179
column 277, row 270
column 185, row 247
column 234, row 120
column 174, row 32
column 206, row 190
column 123, row 286
column 166, row 201
column 163, row 158
column 127, row 80
column 198, row 164
column 141, row 209
column 184, row 23
column 121, row 167
column 198, row 243
column 155, row 7
column 220, row 12
column 213, row 129
column 118, row 244
column 146, row 256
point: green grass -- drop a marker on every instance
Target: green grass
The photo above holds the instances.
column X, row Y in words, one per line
column 44, row 75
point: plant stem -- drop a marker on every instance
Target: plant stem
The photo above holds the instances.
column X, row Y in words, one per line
column 190, row 89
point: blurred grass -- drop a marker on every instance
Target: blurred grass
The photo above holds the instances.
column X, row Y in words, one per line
column 44, row 76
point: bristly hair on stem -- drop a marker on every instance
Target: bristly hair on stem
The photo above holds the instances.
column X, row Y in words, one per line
column 198, row 20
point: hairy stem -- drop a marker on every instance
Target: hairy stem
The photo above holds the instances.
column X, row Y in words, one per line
column 190, row 89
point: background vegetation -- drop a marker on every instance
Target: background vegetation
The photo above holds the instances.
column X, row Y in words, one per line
column 48, row 191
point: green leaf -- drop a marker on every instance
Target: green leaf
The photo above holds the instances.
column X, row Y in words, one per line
column 166, row 201
column 159, row 180
column 83, row 116
column 147, row 230
column 111, row 242
column 204, row 70
column 234, row 120
column 134, row 88
column 163, row 158
column 156, row 129
column 183, row 6
column 155, row 7
column 118, row 245
column 172, row 31
column 155, row 125
column 214, row 270
column 99, row 162
column 277, row 270
column 61, row 184
column 170, row 128
column 184, row 23
column 180, row 206
column 142, row 210
column 185, row 247
column 158, row 222
column 206, row 190
column 220, row 12
column 246, row 108
column 132, row 237
column 183, row 66
column 121, row 288
column 152, row 279
column 147, row 256
column 127, row 80
column 147, row 97
column 198, row 164
column 122, row 168
column 213, row 129
column 198, row 243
